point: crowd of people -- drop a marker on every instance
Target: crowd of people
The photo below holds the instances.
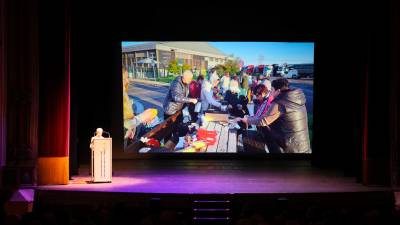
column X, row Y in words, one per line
column 279, row 114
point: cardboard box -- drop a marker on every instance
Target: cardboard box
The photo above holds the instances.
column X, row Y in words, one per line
column 216, row 116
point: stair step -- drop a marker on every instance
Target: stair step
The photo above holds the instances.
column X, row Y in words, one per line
column 212, row 212
column 211, row 201
column 211, row 204
column 211, row 218
column 211, row 209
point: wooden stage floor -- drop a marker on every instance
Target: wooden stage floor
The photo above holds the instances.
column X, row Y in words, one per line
column 216, row 177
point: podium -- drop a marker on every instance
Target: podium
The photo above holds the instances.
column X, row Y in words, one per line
column 101, row 165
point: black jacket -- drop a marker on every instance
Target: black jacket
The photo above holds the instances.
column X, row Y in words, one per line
column 234, row 100
column 176, row 97
column 291, row 128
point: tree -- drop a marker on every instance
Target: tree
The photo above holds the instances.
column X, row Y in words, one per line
column 186, row 67
column 220, row 69
column 174, row 68
column 232, row 66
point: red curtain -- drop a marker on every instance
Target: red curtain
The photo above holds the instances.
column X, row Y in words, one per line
column 55, row 89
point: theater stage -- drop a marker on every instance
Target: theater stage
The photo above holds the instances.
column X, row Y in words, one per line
column 210, row 179
column 216, row 177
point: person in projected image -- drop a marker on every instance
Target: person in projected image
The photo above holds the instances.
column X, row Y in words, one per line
column 237, row 103
column 285, row 122
column 257, row 102
column 263, row 96
column 135, row 126
column 207, row 96
column 175, row 101
column 225, row 81
column 194, row 92
column 213, row 76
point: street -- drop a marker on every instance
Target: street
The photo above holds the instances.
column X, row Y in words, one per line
column 147, row 96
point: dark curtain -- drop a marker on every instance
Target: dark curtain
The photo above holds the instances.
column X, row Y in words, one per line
column 54, row 114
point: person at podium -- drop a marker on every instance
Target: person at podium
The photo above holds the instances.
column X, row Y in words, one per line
column 99, row 135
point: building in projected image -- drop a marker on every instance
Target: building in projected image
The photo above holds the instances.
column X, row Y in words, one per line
column 200, row 56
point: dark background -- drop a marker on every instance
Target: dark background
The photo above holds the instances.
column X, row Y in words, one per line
column 352, row 46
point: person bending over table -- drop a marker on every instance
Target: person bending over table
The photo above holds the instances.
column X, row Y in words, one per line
column 175, row 100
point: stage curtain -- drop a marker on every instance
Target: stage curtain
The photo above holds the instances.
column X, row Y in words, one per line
column 53, row 170
column 3, row 86
column 53, row 166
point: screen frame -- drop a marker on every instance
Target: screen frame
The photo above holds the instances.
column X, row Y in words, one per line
column 117, row 115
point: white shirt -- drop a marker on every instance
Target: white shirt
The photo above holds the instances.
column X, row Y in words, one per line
column 225, row 82
column 214, row 77
column 206, row 96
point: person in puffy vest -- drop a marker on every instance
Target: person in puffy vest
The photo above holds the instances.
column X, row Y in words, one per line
column 175, row 100
column 285, row 122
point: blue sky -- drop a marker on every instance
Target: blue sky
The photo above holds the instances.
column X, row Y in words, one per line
column 255, row 53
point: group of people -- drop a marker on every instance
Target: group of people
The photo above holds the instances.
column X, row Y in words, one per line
column 280, row 114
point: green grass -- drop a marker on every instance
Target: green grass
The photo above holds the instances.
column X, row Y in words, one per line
column 167, row 79
column 170, row 78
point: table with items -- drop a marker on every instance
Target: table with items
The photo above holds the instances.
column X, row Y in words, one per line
column 217, row 134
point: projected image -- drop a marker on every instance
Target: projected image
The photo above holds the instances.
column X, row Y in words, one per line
column 218, row 97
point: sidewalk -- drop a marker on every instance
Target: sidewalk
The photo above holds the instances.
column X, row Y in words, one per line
column 149, row 82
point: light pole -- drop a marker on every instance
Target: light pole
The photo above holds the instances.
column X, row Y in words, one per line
column 152, row 64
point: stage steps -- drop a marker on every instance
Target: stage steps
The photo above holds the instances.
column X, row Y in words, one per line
column 212, row 211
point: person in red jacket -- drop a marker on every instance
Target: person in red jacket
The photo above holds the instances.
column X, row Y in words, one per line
column 194, row 92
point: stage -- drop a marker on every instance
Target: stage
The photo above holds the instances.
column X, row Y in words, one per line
column 215, row 177
column 213, row 191
column 185, row 181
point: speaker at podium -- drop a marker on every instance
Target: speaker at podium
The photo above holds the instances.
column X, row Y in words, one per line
column 101, row 160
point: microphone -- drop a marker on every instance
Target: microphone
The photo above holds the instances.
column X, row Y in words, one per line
column 94, row 133
column 106, row 133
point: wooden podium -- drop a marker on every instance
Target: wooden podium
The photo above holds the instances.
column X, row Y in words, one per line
column 101, row 166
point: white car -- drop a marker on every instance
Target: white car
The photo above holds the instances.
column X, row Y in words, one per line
column 288, row 73
column 292, row 74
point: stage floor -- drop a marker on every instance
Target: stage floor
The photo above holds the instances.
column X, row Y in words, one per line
column 216, row 177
